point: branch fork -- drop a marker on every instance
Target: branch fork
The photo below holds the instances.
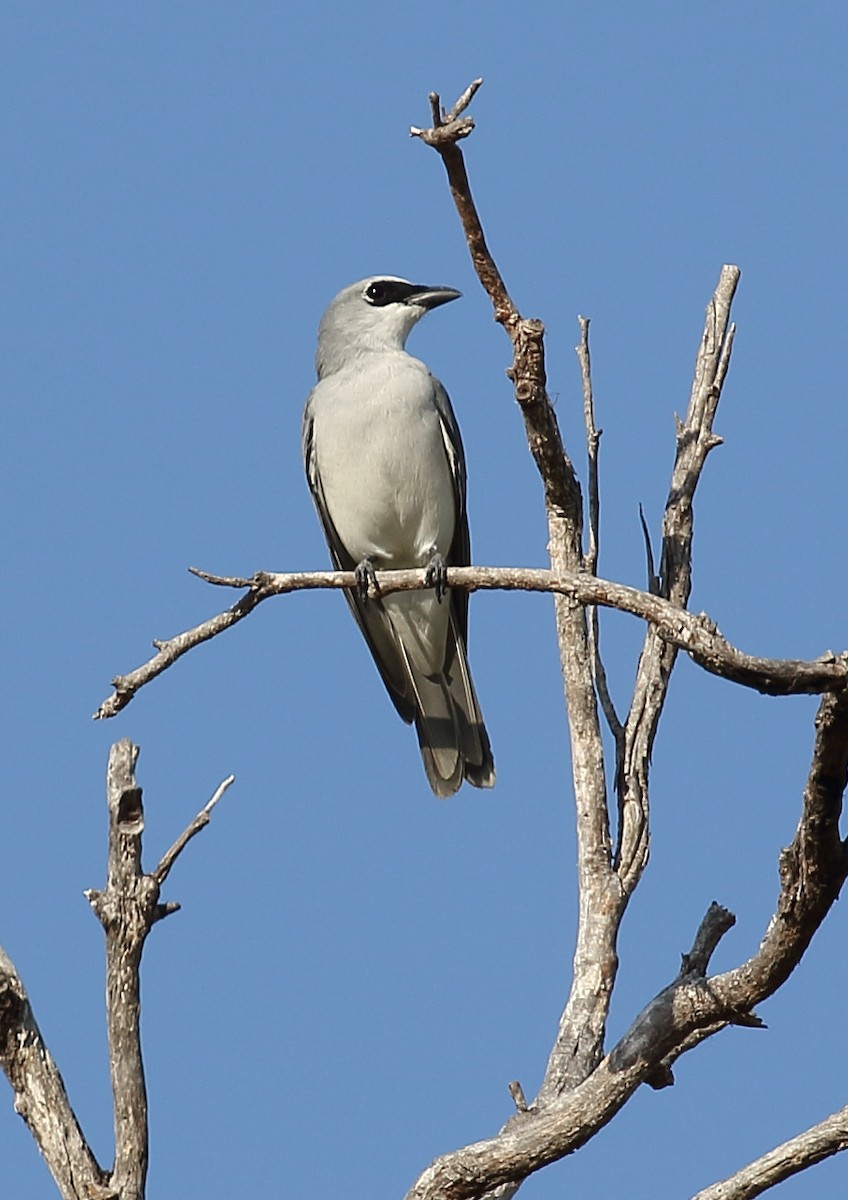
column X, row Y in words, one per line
column 127, row 908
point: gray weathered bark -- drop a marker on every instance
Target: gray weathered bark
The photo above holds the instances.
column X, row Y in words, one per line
column 128, row 907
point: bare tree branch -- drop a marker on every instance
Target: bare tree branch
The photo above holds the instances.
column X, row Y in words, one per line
column 40, row 1096
column 812, row 869
column 542, row 1135
column 813, row 1146
column 127, row 908
column 605, row 882
column 696, row 634
column 581, row 1091
column 695, row 439
column 593, row 441
column 200, row 822
column 691, row 1008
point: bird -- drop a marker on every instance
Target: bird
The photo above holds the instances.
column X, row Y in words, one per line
column 386, row 468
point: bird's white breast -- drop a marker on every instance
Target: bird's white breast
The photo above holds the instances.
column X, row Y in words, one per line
column 381, row 460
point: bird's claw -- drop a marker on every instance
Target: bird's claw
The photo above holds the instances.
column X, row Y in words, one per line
column 366, row 579
column 436, row 576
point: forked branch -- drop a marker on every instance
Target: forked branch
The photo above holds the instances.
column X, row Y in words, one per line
column 582, row 1090
column 127, row 908
column 694, row 1006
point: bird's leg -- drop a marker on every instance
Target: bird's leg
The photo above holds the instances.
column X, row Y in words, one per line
column 436, row 575
column 366, row 579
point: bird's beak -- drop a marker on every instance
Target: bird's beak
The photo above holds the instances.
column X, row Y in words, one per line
column 432, row 297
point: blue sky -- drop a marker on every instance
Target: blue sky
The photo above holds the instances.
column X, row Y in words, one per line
column 356, row 965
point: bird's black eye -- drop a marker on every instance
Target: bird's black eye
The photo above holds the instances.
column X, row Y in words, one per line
column 381, row 292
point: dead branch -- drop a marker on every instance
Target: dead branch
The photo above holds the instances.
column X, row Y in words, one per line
column 582, row 1090
column 696, row 634
column 593, row 442
column 127, row 908
column 813, row 1146
column 693, row 1007
column 564, row 511
column 40, row 1096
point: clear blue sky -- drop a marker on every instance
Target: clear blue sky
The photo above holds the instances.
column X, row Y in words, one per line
column 359, row 970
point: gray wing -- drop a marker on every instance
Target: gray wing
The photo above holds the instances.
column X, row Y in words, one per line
column 459, row 554
column 464, row 726
column 370, row 616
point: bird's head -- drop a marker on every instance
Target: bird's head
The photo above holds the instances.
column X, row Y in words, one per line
column 377, row 313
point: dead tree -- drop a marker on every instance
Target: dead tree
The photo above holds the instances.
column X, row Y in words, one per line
column 586, row 1083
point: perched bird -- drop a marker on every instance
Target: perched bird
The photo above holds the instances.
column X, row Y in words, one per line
column 386, row 470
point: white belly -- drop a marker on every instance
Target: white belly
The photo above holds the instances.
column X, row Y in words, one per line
column 383, row 467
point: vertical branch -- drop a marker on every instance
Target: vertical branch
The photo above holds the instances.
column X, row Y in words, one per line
column 580, row 1042
column 126, row 909
column 695, row 439
column 605, row 880
column 593, row 441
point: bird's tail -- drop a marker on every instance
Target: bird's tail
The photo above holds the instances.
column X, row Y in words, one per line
column 451, row 732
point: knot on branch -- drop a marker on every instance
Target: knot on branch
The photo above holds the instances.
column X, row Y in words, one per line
column 524, row 391
column 126, row 906
column 448, row 127
column 130, row 813
column 444, row 135
column 12, row 1003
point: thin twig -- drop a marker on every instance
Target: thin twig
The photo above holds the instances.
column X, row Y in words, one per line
column 593, row 441
column 652, row 577
column 160, row 874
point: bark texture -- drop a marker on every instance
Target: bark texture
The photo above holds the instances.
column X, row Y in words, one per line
column 127, row 908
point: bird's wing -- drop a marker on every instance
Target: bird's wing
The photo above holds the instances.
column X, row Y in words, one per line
column 459, row 554
column 370, row 615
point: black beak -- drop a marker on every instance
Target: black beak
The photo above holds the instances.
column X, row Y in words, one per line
column 432, row 297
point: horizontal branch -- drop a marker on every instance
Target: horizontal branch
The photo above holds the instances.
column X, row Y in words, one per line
column 696, row 634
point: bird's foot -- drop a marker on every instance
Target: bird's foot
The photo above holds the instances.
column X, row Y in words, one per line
column 436, row 576
column 366, row 579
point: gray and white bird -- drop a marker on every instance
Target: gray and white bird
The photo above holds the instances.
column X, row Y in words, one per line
column 386, row 470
